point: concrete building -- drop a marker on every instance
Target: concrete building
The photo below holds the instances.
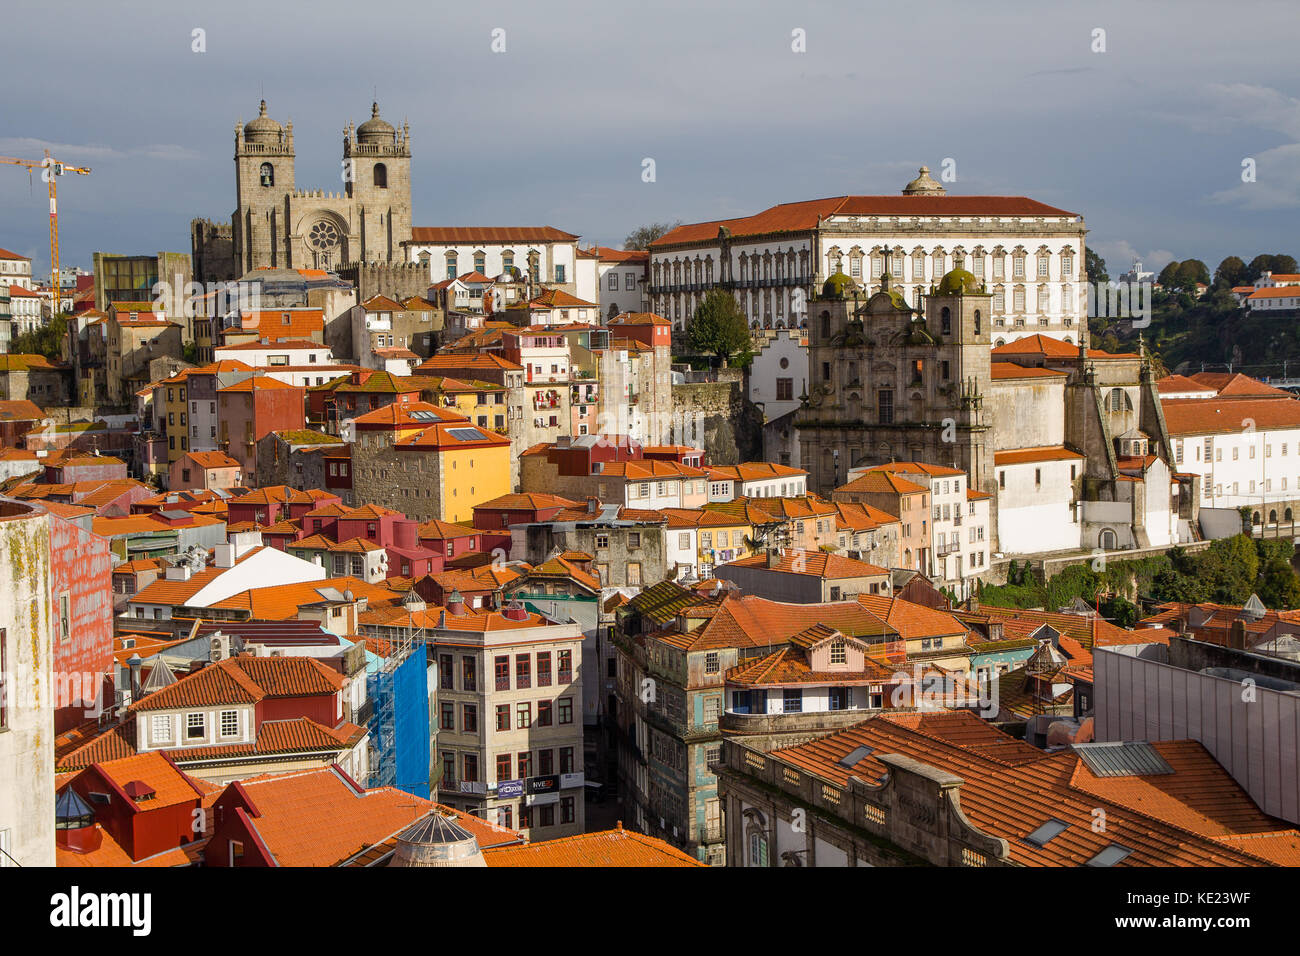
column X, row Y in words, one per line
column 621, row 276
column 509, row 732
column 250, row 410
column 804, row 577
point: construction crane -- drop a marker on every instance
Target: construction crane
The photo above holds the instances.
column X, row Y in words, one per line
column 51, row 169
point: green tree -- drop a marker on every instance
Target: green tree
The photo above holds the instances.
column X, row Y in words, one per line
column 1191, row 272
column 718, row 327
column 1168, row 277
column 641, row 237
column 1231, row 272
column 44, row 340
column 1095, row 266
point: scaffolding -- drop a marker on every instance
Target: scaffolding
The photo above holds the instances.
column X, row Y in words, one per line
column 399, row 725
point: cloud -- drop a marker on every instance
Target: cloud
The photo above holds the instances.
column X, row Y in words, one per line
column 1120, row 254
column 1276, row 185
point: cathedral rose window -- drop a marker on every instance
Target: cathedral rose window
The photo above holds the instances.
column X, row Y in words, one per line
column 323, row 235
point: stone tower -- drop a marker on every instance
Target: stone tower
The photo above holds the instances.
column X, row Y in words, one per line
column 377, row 172
column 889, row 383
column 264, row 183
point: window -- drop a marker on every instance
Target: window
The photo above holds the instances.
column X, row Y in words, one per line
column 564, row 660
column 886, row 406
column 468, row 675
column 566, row 760
column 784, row 389
column 195, row 728
column 229, row 723
column 544, row 715
column 65, row 620
column 545, row 762
column 546, row 816
column 469, row 763
column 792, row 700
column 567, row 810
column 504, row 763
column 502, row 666
column 469, row 718
column 839, row 652
column 446, row 676
column 712, row 706
column 523, row 715
column 523, row 672
column 566, row 710
column 160, row 728
column 711, row 663
column 503, row 716
column 447, row 720
column 267, row 176
column 544, row 669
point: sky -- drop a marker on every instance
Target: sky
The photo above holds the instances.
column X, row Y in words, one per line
column 1143, row 129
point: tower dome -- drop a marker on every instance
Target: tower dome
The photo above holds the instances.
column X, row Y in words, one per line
column 923, row 185
column 436, row 840
column 376, row 131
column 958, row 282
column 838, row 286
column 263, row 130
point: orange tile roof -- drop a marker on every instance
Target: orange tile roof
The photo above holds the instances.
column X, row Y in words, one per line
column 525, row 501
column 259, row 383
column 472, row 361
column 1181, row 383
column 1023, row 456
column 751, row 621
column 821, row 564
column 1234, row 384
column 805, row 215
column 752, row 471
column 910, row 620
column 883, row 481
column 285, row 601
column 607, row 848
column 212, row 459
column 245, row 680
column 1010, row 370
column 487, row 234
column 444, row 436
column 1202, row 416
column 1009, row 789
column 1039, row 344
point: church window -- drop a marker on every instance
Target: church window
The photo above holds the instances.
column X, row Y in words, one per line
column 977, row 267
column 1018, row 267
column 886, row 406
column 480, row 262
column 559, row 273
column 1020, row 300
column 877, row 266
column 451, row 265
column 1067, row 264
column 855, row 266
column 381, row 176
column 268, row 174
column 508, row 261
column 977, row 321
column 945, row 321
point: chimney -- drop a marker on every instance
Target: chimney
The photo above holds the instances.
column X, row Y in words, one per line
column 515, row 611
column 134, row 662
column 406, row 533
column 455, row 602
column 773, row 557
column 1237, row 635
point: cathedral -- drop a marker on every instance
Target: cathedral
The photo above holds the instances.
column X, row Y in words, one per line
column 277, row 225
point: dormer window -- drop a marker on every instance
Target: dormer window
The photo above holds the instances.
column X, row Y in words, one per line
column 839, row 652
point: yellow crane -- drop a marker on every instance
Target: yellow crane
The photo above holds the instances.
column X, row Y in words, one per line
column 51, row 169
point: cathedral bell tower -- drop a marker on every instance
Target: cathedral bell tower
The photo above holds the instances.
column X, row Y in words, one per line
column 377, row 171
column 264, row 180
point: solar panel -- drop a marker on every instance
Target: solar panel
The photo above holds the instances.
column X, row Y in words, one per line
column 424, row 415
column 1047, row 832
column 1109, row 856
column 466, row 434
column 852, row 758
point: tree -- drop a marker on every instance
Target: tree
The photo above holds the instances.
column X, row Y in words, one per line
column 1190, row 273
column 719, row 328
column 44, row 340
column 641, row 237
column 1168, row 277
column 1231, row 272
column 1095, row 266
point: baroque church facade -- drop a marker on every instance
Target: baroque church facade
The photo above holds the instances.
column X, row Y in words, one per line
column 277, row 225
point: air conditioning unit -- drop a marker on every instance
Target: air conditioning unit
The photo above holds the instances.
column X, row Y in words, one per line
column 218, row 648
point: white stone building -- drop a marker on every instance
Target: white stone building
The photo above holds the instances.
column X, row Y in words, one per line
column 1029, row 255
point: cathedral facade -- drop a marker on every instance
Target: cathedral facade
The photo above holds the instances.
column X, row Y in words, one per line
column 277, row 225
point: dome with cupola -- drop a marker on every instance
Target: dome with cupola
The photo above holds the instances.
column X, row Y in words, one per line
column 263, row 130
column 376, row 130
column 838, row 286
column 924, row 185
column 958, row 282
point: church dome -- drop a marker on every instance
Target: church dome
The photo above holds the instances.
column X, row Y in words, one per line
column 958, row 282
column 837, row 286
column 923, row 185
column 375, row 130
column 263, row 130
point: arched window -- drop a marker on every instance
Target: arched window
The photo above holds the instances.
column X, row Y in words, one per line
column 268, row 174
column 1107, row 540
column 381, row 176
column 1119, row 401
column 977, row 321
column 945, row 321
